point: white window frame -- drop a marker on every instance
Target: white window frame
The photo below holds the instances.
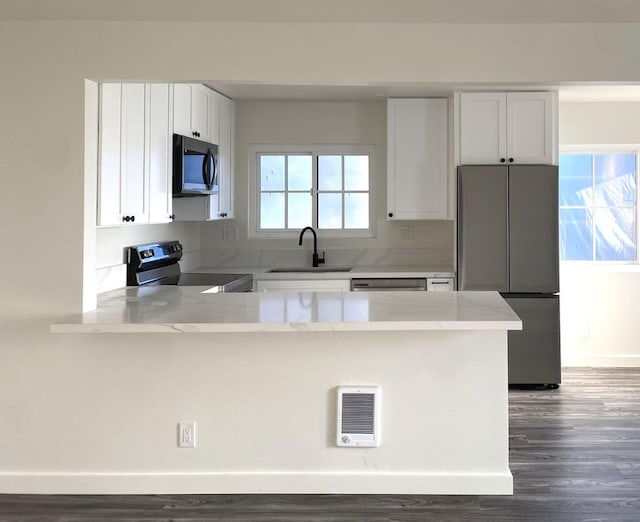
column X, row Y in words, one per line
column 609, row 149
column 314, row 149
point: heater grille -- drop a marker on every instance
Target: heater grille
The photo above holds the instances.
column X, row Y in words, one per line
column 358, row 416
column 358, row 411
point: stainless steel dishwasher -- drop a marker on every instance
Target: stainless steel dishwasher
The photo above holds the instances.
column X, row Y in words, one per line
column 388, row 284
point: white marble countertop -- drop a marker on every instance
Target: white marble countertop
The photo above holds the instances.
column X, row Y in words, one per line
column 175, row 309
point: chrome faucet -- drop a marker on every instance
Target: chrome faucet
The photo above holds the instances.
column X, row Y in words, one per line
column 316, row 259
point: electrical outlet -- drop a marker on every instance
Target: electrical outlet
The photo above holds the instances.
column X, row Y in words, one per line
column 406, row 233
column 187, row 434
column 229, row 234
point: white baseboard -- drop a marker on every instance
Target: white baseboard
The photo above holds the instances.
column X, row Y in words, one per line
column 602, row 361
column 260, row 482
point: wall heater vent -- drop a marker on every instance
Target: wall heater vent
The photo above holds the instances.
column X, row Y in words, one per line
column 358, row 416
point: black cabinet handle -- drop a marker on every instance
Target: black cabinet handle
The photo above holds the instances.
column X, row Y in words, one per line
column 502, row 160
column 223, row 214
column 390, row 214
column 172, row 217
column 510, row 160
column 125, row 218
column 133, row 218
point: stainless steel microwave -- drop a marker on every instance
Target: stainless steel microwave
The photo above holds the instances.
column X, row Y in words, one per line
column 195, row 167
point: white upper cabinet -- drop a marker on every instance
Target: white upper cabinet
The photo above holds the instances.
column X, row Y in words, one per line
column 513, row 127
column 122, row 184
column 530, row 127
column 417, row 171
column 217, row 206
column 134, row 172
column 159, row 152
column 224, row 208
column 191, row 116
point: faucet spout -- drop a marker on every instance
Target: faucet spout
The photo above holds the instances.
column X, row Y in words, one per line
column 316, row 259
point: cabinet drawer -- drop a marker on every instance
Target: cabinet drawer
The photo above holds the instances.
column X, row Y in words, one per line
column 440, row 284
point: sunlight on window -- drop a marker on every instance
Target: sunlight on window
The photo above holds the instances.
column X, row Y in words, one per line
column 598, row 207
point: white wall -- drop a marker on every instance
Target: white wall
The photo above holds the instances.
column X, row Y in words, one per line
column 293, row 123
column 51, row 382
column 599, row 304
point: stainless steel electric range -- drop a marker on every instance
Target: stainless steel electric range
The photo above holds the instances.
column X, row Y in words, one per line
column 158, row 264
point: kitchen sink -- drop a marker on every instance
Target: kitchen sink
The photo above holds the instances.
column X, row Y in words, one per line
column 318, row 269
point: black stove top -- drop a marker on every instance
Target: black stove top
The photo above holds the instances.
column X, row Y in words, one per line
column 229, row 282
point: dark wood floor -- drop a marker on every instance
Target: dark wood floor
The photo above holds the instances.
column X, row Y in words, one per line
column 575, row 456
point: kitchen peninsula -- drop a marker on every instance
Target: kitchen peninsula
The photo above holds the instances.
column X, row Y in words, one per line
column 271, row 363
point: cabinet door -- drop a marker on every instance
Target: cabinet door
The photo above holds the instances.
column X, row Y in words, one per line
column 109, row 181
column 530, row 136
column 159, row 153
column 483, row 262
column 304, row 285
column 214, row 116
column 132, row 165
column 225, row 193
column 483, row 128
column 417, row 159
column 440, row 284
column 533, row 228
column 182, row 109
column 200, row 112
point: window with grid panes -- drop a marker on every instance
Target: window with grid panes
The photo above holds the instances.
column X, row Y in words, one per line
column 325, row 190
column 598, row 206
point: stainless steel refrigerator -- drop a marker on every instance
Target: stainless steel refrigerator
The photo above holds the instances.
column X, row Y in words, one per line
column 508, row 242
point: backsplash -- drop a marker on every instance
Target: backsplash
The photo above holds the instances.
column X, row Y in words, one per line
column 271, row 258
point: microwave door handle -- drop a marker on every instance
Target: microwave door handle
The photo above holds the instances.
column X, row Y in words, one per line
column 214, row 180
column 206, row 169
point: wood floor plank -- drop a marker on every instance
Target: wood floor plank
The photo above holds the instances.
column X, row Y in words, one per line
column 574, row 455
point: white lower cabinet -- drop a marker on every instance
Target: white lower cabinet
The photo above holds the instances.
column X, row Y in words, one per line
column 303, row 285
column 440, row 284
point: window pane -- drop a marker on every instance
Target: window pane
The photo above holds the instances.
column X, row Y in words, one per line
column 272, row 210
column 356, row 210
column 299, row 210
column 330, row 172
column 356, row 172
column 300, row 172
column 575, row 179
column 329, row 210
column 271, row 172
column 615, row 231
column 615, row 180
column 576, row 241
